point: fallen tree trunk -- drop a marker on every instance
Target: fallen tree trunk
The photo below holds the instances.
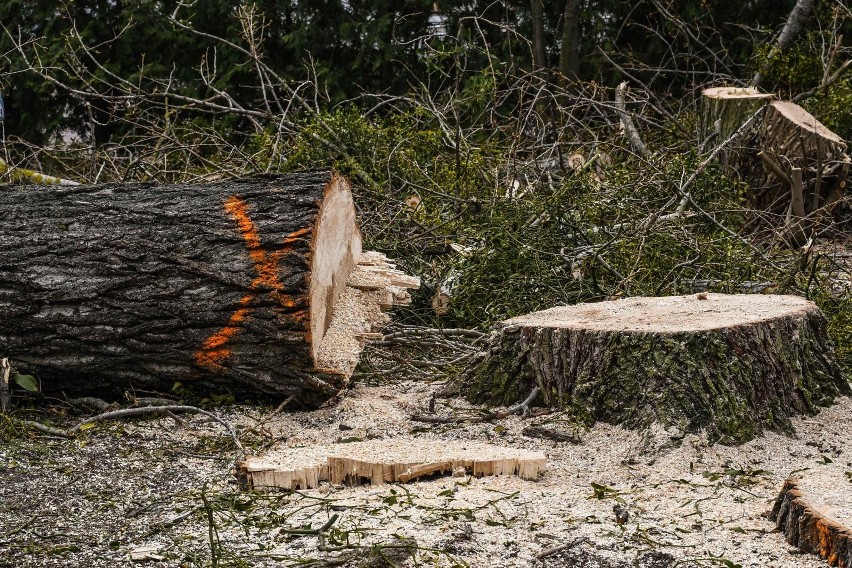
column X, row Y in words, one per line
column 730, row 364
column 233, row 284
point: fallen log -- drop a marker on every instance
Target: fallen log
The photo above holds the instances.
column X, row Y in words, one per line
column 815, row 515
column 236, row 284
column 730, row 364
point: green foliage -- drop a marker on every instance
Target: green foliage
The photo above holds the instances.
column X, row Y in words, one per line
column 26, row 382
column 814, row 57
column 838, row 310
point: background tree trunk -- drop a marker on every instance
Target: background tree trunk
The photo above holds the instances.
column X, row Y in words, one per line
column 792, row 27
column 730, row 364
column 539, row 57
column 569, row 53
column 232, row 284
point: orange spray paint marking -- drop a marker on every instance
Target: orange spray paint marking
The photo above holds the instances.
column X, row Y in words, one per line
column 214, row 351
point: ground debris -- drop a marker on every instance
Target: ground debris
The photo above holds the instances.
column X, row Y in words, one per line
column 173, row 490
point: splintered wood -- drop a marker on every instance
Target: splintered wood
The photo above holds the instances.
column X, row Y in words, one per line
column 374, row 286
column 384, row 461
column 815, row 514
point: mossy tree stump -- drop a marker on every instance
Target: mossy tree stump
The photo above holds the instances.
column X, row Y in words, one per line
column 730, row 364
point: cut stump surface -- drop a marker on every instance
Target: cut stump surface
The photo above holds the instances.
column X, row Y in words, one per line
column 384, row 461
column 815, row 514
column 731, row 364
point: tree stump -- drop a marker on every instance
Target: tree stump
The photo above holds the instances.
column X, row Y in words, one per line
column 815, row 515
column 730, row 364
column 806, row 158
column 797, row 168
column 723, row 111
column 235, row 284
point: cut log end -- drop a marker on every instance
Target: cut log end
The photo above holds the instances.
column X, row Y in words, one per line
column 730, row 364
column 384, row 461
column 802, row 119
column 336, row 248
column 815, row 515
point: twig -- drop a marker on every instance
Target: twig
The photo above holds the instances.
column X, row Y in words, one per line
column 5, row 397
column 522, row 408
column 430, row 419
column 318, row 531
column 280, row 408
column 660, row 106
column 825, row 84
column 47, row 429
column 546, row 433
column 133, row 412
column 629, row 127
column 91, row 403
column 562, row 547
column 776, row 169
column 460, row 332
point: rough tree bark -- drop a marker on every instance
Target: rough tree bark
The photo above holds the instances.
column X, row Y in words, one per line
column 569, row 53
column 724, row 110
column 732, row 365
column 230, row 284
column 537, row 9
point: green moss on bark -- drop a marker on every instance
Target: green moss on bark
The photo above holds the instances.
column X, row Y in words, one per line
column 732, row 382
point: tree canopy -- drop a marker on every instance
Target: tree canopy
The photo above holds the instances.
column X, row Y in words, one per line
column 350, row 48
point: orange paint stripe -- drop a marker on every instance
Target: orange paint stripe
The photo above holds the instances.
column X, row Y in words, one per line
column 213, row 352
column 238, row 209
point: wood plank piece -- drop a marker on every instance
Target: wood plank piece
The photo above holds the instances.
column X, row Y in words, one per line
column 384, row 461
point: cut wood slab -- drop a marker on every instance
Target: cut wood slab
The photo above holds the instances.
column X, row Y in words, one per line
column 241, row 284
column 730, row 364
column 815, row 514
column 384, row 461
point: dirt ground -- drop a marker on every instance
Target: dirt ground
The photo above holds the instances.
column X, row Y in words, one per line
column 151, row 491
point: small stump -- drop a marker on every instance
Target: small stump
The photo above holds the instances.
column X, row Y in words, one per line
column 815, row 515
column 731, row 364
